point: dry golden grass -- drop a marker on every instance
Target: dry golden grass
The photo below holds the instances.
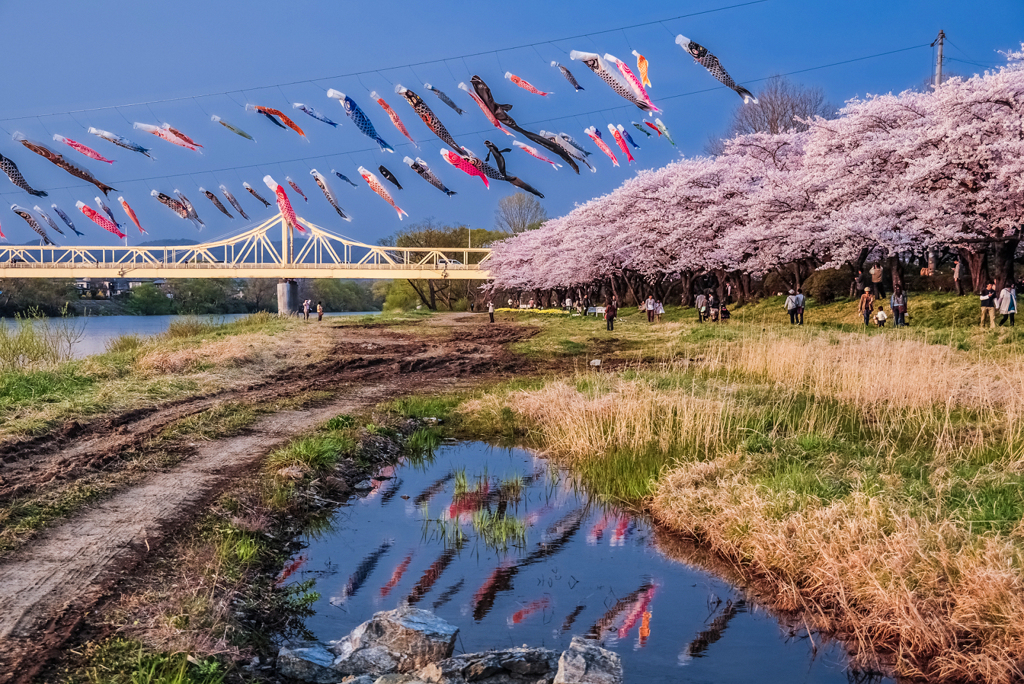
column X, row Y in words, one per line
column 224, row 352
column 846, row 473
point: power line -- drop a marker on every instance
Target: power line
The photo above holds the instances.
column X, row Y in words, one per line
column 489, row 130
column 400, row 66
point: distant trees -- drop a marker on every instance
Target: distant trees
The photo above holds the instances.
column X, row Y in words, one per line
column 431, row 235
column 783, row 106
column 519, row 213
column 149, row 300
column 340, row 295
column 18, row 295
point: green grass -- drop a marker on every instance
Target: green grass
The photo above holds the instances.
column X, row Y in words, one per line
column 223, row 420
column 125, row 661
column 35, row 387
column 420, row 445
column 316, row 453
column 418, row 406
column 124, row 344
column 342, row 422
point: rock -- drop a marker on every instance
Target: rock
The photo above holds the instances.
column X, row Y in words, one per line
column 375, row 660
column 363, row 486
column 399, row 679
column 587, row 663
column 361, row 679
column 307, row 662
column 510, row 666
column 400, row 640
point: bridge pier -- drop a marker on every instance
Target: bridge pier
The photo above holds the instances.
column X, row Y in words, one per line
column 287, row 297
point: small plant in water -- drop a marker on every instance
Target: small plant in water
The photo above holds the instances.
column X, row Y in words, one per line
column 511, row 489
column 499, row 531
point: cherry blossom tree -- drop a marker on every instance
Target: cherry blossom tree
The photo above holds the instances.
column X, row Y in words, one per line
column 892, row 175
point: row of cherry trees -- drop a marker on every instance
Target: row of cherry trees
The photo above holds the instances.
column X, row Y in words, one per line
column 891, row 175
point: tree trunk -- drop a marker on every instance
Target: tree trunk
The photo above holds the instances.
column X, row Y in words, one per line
column 896, row 272
column 686, row 283
column 430, row 304
column 1004, row 262
column 978, row 264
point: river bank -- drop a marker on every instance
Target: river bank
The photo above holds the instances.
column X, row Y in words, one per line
column 867, row 481
column 781, row 454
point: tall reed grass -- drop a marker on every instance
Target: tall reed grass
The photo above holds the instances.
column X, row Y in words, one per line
column 875, row 483
column 34, row 341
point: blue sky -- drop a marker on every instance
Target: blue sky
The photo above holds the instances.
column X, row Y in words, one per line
column 216, row 56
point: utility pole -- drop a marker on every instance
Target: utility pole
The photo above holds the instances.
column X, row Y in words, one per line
column 939, row 41
column 938, row 57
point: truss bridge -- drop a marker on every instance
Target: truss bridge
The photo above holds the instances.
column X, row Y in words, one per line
column 318, row 253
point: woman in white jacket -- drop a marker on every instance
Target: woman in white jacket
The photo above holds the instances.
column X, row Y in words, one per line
column 1007, row 304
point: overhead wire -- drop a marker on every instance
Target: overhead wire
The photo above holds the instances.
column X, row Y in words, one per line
column 576, row 115
column 399, row 66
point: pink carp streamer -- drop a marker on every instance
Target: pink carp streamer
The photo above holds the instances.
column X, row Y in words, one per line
column 620, row 141
column 375, row 185
column 394, row 117
column 534, row 152
column 595, row 135
column 284, row 204
column 99, row 219
column 633, row 81
column 165, row 134
column 79, row 147
column 525, row 85
column 131, row 214
column 462, row 164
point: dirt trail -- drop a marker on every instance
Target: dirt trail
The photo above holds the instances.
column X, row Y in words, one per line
column 48, row 586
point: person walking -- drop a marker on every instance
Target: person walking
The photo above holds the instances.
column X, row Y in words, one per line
column 876, row 280
column 319, row 311
column 649, row 305
column 880, row 317
column 658, row 310
column 791, row 307
column 801, row 302
column 988, row 305
column 305, row 309
column 490, row 310
column 1007, row 304
column 609, row 314
column 866, row 306
column 712, row 307
column 701, row 302
column 898, row 303
column 956, row 279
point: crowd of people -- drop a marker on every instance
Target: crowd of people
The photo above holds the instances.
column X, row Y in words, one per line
column 870, row 305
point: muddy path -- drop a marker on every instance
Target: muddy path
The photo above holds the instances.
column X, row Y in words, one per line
column 362, row 354
column 49, row 585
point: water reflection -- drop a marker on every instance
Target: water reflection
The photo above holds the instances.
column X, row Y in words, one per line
column 585, row 568
column 356, row 580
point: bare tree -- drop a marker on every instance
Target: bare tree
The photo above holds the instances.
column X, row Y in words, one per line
column 518, row 213
column 780, row 103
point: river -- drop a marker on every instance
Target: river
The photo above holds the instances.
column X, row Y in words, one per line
column 583, row 568
column 96, row 331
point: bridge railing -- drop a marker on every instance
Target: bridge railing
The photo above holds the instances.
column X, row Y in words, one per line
column 251, row 250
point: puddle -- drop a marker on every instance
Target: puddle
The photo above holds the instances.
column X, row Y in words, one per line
column 558, row 564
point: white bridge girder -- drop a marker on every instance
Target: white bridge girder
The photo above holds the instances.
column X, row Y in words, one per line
column 250, row 254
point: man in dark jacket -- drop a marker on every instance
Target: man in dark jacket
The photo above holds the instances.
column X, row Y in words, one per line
column 610, row 310
column 988, row 305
